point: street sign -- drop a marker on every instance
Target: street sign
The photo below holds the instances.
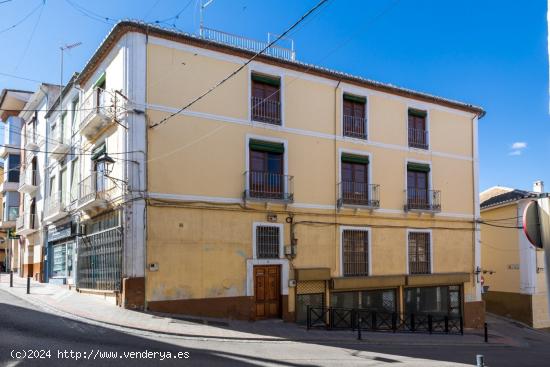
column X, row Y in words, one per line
column 531, row 224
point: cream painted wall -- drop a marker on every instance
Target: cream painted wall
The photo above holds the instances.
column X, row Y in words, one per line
column 220, row 136
column 499, row 249
column 201, row 155
column 191, row 245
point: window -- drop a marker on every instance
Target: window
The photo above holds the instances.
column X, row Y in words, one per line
column 355, row 252
column 417, row 186
column 267, row 242
column 419, row 253
column 354, row 117
column 14, row 161
column 266, row 178
column 266, row 99
column 304, row 300
column 418, row 134
column 379, row 300
column 354, row 186
column 442, row 301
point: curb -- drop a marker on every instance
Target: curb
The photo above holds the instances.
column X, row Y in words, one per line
column 96, row 322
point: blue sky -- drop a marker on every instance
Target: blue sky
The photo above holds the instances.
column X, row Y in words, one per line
column 492, row 53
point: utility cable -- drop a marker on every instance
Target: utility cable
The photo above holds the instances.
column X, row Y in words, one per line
column 34, row 10
column 235, row 72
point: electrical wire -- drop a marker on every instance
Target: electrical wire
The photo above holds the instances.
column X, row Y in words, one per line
column 500, row 226
column 175, row 17
column 235, row 72
column 91, row 14
column 30, row 38
column 34, row 10
column 22, row 78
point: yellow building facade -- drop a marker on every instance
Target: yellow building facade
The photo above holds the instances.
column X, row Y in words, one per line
column 290, row 185
column 514, row 274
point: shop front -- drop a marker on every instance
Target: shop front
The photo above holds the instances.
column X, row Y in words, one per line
column 62, row 254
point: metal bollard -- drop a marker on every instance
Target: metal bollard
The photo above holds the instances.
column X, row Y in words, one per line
column 486, row 333
column 28, row 285
column 359, row 337
column 11, row 278
column 480, row 360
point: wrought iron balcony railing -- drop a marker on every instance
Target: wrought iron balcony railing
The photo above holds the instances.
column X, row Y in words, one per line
column 418, row 138
column 419, row 267
column 266, row 110
column 94, row 189
column 268, row 186
column 355, row 127
column 55, row 205
column 359, row 194
column 423, row 200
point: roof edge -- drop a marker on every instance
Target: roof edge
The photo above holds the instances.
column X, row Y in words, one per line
column 126, row 26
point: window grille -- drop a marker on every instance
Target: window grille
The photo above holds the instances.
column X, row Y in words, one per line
column 419, row 253
column 267, row 242
column 355, row 252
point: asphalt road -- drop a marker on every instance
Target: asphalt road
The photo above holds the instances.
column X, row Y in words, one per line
column 52, row 340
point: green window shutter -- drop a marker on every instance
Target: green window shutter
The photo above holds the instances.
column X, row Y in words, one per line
column 98, row 152
column 100, row 80
column 274, row 81
column 266, row 146
column 356, row 99
column 351, row 158
column 417, row 113
column 419, row 167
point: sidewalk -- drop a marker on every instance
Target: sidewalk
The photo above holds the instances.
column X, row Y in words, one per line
column 69, row 303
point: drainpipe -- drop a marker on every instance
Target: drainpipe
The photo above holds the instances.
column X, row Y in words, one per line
column 476, row 232
column 335, row 155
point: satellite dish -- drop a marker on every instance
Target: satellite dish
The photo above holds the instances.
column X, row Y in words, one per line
column 531, row 224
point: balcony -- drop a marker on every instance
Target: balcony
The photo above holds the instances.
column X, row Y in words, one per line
column 6, row 149
column 95, row 113
column 55, row 207
column 422, row 200
column 419, row 267
column 418, row 138
column 60, row 144
column 28, row 181
column 355, row 127
column 9, row 186
column 27, row 224
column 33, row 142
column 358, row 194
column 266, row 110
column 95, row 192
column 10, row 218
column 267, row 186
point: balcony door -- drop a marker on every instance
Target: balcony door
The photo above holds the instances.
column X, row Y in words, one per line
column 266, row 99
column 266, row 177
column 99, row 168
column 417, row 188
column 354, row 116
column 354, row 181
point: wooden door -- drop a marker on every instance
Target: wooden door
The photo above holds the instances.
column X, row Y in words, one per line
column 267, row 291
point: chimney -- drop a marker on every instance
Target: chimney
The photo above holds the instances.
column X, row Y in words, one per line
column 538, row 186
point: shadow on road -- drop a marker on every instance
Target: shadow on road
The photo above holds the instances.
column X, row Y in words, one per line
column 23, row 329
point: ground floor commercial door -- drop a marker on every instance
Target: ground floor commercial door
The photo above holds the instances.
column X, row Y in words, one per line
column 267, row 291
